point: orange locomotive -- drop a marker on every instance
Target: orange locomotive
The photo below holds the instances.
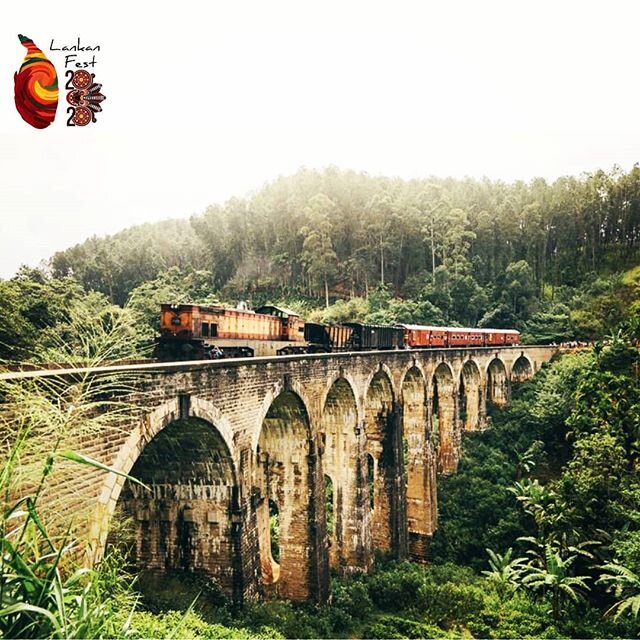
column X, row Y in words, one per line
column 192, row 331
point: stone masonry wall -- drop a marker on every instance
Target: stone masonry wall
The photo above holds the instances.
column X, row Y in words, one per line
column 274, row 428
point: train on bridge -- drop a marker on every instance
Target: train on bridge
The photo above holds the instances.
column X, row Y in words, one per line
column 193, row 332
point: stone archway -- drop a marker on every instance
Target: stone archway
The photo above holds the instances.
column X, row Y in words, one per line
column 384, row 446
column 188, row 520
column 470, row 399
column 420, row 470
column 443, row 418
column 522, row 369
column 343, row 465
column 287, row 486
column 497, row 383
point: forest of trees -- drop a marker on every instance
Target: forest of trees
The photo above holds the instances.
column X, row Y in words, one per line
column 348, row 232
column 556, row 261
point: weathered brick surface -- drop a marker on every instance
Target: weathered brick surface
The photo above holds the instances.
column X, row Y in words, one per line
column 271, row 429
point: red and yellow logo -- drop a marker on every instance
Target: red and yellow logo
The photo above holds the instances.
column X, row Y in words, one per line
column 36, row 87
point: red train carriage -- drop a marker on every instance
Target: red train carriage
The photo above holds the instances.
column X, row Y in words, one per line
column 511, row 336
column 424, row 337
column 498, row 337
column 457, row 337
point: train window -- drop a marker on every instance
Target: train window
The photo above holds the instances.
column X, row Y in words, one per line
column 205, row 329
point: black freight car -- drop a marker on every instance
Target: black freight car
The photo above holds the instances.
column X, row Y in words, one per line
column 327, row 337
column 375, row 336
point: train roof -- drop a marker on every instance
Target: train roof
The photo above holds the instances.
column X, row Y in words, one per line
column 208, row 307
column 371, row 325
column 420, row 327
column 269, row 309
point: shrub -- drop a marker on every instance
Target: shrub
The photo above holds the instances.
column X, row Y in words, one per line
column 175, row 624
column 389, row 626
column 352, row 597
column 397, row 587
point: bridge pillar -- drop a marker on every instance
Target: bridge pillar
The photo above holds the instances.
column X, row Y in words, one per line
column 318, row 548
column 470, row 397
column 400, row 544
column 420, row 465
column 344, row 462
column 445, row 420
column 498, row 390
column 482, row 412
column 384, row 455
column 362, row 515
column 248, row 539
column 289, row 502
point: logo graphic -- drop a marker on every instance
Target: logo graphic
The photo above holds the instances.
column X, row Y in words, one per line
column 85, row 97
column 36, row 87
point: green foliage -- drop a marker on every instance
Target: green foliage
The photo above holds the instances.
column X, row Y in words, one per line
column 389, row 626
column 187, row 626
column 292, row 621
column 519, row 255
column 352, row 598
column 43, row 596
column 519, row 616
column 274, row 535
column 354, row 310
column 54, row 320
column 505, row 571
column 550, row 324
column 93, row 333
column 553, row 573
column 44, row 592
column 625, row 585
column 476, row 508
column 567, row 449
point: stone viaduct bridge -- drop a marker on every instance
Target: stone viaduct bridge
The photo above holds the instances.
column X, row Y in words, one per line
column 342, row 451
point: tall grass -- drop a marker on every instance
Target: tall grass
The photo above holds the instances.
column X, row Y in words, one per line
column 45, row 590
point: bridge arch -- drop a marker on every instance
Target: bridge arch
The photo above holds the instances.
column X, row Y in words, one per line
column 127, row 454
column 381, row 369
column 269, row 398
column 384, row 450
column 522, row 369
column 497, row 382
column 183, row 452
column 342, row 463
column 443, row 417
column 420, row 466
column 470, row 398
column 285, row 479
column 349, row 380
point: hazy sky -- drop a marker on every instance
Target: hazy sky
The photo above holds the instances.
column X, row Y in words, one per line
column 207, row 100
